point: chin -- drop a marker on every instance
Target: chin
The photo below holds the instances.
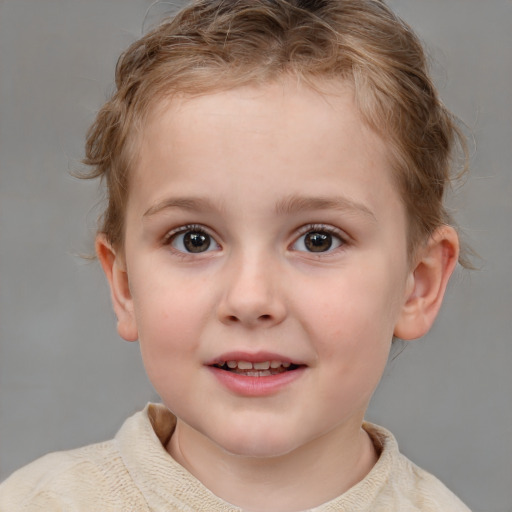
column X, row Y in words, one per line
column 263, row 444
column 257, row 450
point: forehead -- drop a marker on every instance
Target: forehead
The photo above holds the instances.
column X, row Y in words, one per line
column 275, row 106
column 281, row 136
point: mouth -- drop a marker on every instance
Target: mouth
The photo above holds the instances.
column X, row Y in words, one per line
column 259, row 369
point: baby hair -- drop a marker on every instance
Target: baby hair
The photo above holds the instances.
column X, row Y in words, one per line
column 214, row 45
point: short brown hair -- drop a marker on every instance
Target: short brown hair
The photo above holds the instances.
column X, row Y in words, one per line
column 220, row 44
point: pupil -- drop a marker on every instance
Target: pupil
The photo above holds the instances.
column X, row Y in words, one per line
column 318, row 242
column 196, row 242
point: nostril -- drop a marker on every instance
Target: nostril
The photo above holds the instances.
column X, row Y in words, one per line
column 232, row 318
column 265, row 317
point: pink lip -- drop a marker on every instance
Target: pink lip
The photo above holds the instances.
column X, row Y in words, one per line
column 255, row 386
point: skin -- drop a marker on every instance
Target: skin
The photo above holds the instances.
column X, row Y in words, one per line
column 256, row 169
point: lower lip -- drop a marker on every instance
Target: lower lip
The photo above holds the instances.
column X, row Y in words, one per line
column 256, row 386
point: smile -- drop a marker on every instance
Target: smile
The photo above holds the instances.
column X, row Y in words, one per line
column 260, row 369
column 256, row 375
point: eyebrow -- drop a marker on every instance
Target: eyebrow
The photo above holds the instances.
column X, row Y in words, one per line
column 296, row 204
column 184, row 203
column 287, row 206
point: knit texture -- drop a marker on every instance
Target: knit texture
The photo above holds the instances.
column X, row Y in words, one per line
column 134, row 473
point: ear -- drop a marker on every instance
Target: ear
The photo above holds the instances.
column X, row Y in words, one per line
column 427, row 283
column 115, row 270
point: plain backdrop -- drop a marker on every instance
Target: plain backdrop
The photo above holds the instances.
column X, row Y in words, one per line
column 66, row 379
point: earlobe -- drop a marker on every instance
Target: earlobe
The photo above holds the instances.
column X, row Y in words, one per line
column 427, row 284
column 115, row 271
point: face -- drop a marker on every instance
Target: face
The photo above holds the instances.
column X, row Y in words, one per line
column 265, row 264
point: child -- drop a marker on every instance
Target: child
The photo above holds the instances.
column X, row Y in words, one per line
column 275, row 171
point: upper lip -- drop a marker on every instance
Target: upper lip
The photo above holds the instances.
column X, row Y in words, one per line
column 256, row 357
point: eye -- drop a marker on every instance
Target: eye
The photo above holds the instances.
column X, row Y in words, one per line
column 191, row 239
column 318, row 240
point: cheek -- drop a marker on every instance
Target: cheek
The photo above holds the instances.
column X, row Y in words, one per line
column 352, row 322
column 360, row 308
column 169, row 319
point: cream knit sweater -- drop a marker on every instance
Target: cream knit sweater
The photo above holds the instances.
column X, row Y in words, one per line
column 134, row 473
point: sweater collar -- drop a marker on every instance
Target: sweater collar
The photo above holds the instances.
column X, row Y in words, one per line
column 168, row 486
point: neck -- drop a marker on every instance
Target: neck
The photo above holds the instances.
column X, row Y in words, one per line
column 309, row 476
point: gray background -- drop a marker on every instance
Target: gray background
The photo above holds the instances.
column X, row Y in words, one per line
column 66, row 379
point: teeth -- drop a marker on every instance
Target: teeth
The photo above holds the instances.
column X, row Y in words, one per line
column 261, row 366
column 265, row 373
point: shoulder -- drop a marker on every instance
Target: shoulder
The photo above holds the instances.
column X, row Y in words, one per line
column 113, row 476
column 424, row 490
column 407, row 486
column 50, row 482
column 95, row 477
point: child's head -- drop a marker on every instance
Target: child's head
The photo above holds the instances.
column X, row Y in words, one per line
column 272, row 166
column 219, row 45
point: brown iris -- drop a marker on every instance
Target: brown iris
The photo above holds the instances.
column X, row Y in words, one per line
column 195, row 241
column 316, row 241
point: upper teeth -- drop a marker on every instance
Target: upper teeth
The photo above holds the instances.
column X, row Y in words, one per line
column 264, row 365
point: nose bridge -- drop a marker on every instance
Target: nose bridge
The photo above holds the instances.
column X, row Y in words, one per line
column 252, row 294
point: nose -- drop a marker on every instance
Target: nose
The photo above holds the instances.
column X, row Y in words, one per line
column 252, row 294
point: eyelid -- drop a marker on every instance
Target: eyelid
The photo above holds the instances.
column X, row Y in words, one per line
column 187, row 227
